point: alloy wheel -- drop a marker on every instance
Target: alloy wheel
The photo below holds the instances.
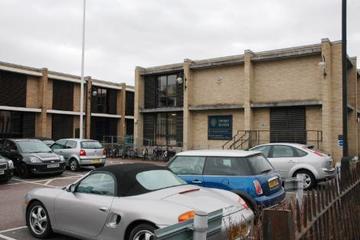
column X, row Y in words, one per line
column 144, row 235
column 38, row 220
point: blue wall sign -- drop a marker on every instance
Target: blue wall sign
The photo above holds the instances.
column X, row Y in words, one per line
column 220, row 127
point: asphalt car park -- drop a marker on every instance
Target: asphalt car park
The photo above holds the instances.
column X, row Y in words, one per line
column 12, row 221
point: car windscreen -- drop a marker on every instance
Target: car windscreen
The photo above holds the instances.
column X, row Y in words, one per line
column 158, row 179
column 33, row 147
column 237, row 166
column 91, row 145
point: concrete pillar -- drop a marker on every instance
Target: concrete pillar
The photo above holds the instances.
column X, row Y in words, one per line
column 88, row 107
column 249, row 79
column 187, row 143
column 121, row 106
column 325, row 72
column 139, row 104
column 43, row 86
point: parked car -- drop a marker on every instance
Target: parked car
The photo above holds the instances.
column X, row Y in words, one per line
column 290, row 159
column 127, row 201
column 80, row 152
column 31, row 156
column 6, row 169
column 246, row 173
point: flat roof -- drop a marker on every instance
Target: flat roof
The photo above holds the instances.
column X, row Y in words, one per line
column 218, row 153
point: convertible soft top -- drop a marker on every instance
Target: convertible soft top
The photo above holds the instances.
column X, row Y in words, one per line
column 125, row 175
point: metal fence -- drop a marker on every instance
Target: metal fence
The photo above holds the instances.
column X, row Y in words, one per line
column 332, row 211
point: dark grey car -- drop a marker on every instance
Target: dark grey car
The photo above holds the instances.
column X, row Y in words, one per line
column 31, row 156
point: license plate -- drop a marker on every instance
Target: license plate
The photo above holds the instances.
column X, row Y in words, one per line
column 2, row 172
column 273, row 183
column 55, row 165
column 96, row 161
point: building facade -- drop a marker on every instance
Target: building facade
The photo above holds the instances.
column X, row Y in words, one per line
column 285, row 95
column 40, row 103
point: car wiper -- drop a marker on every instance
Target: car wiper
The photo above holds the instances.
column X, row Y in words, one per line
column 266, row 171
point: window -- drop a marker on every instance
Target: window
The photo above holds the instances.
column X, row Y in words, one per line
column 71, row 144
column 265, row 150
column 10, row 146
column 98, row 183
column 300, row 153
column 282, row 151
column 185, row 165
column 165, row 129
column 33, row 146
column 237, row 166
column 103, row 100
column 166, row 92
column 91, row 145
column 158, row 179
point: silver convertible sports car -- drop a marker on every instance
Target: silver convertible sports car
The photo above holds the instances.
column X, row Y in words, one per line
column 126, row 201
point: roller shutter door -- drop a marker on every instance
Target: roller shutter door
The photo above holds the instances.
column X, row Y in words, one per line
column 288, row 125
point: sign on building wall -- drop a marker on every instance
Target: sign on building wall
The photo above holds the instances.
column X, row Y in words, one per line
column 220, row 127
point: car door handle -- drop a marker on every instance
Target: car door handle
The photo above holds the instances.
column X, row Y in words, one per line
column 103, row 209
column 196, row 181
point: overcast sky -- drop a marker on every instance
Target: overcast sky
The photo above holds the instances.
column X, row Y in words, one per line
column 122, row 34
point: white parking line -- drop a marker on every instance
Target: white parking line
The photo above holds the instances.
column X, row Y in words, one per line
column 39, row 182
column 6, row 238
column 12, row 229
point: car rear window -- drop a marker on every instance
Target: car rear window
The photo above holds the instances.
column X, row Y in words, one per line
column 237, row 166
column 158, row 179
column 91, row 145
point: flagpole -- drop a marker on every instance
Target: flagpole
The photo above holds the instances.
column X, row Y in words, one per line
column 81, row 135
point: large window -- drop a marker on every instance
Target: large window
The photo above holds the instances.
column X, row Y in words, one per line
column 103, row 100
column 166, row 91
column 165, row 129
column 17, row 124
column 63, row 95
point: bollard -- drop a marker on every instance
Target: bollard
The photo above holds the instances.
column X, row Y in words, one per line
column 200, row 225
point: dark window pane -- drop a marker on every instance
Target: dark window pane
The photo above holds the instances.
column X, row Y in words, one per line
column 13, row 89
column 62, row 126
column 63, row 95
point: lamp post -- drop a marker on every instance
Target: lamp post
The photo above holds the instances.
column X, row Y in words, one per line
column 344, row 81
column 81, row 135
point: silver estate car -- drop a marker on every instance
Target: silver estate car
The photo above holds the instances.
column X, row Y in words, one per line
column 290, row 159
column 80, row 152
column 128, row 201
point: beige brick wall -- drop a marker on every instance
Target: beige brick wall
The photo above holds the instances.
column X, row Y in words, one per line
column 261, row 121
column 199, row 128
column 222, row 85
column 49, row 94
column 76, row 103
column 313, row 124
column 32, row 92
column 287, row 80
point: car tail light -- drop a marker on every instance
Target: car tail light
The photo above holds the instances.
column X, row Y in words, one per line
column 243, row 203
column 258, row 188
column 186, row 216
column 82, row 152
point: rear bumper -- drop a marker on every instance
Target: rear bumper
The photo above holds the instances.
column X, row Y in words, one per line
column 8, row 173
column 90, row 161
column 39, row 169
column 326, row 174
column 270, row 200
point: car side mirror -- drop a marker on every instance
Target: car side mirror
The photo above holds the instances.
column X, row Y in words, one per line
column 71, row 188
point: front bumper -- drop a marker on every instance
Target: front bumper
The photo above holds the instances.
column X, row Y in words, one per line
column 43, row 168
column 6, row 174
column 270, row 200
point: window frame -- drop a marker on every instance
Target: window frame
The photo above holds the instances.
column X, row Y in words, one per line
column 99, row 172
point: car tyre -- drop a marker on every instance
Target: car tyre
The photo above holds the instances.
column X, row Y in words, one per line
column 310, row 180
column 73, row 165
column 38, row 220
column 23, row 170
column 142, row 231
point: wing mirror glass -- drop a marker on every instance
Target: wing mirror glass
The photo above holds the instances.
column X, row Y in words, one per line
column 71, row 188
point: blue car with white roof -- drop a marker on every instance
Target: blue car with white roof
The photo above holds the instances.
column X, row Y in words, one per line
column 247, row 173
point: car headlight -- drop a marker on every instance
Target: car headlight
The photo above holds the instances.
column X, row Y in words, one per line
column 62, row 159
column 11, row 164
column 34, row 160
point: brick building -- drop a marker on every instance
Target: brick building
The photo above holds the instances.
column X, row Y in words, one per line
column 285, row 95
column 40, row 103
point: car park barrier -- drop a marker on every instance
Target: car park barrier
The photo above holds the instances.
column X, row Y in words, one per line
column 202, row 226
